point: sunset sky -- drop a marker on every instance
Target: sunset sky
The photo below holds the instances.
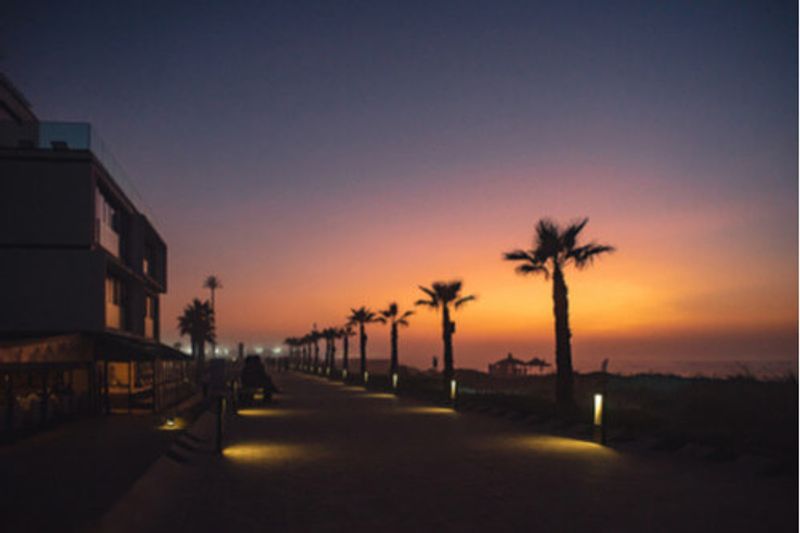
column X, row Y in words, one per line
column 323, row 155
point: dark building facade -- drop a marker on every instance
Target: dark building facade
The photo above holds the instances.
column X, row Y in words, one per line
column 79, row 257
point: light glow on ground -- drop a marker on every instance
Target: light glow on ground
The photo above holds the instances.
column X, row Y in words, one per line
column 266, row 412
column 266, row 454
column 551, row 444
column 423, row 410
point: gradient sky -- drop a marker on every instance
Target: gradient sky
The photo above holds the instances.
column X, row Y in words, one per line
column 322, row 155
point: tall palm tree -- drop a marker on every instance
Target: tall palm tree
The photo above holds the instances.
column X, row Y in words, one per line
column 555, row 248
column 345, row 333
column 440, row 295
column 213, row 283
column 392, row 316
column 197, row 321
column 362, row 316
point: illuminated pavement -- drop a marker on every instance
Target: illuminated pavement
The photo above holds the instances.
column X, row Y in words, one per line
column 332, row 458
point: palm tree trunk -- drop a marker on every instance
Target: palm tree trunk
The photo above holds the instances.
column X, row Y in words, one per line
column 345, row 350
column 564, row 379
column 447, row 337
column 332, row 362
column 363, row 346
column 394, row 364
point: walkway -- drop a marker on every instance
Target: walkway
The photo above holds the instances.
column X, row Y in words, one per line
column 327, row 457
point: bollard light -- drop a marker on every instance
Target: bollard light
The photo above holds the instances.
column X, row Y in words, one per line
column 599, row 419
column 170, row 422
column 366, row 376
column 344, row 374
column 394, row 380
column 453, row 389
column 598, row 410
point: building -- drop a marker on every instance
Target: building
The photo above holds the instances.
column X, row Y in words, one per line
column 84, row 270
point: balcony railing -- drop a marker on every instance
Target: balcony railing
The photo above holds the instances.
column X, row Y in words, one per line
column 65, row 136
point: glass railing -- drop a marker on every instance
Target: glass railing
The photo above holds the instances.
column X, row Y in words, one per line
column 64, row 136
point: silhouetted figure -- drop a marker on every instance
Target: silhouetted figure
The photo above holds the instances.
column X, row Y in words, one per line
column 440, row 295
column 255, row 380
column 435, row 363
column 554, row 248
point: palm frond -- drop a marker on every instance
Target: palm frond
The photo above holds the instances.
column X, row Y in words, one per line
column 584, row 256
column 465, row 299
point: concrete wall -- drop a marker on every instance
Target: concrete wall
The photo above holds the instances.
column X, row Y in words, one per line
column 52, row 290
column 46, row 202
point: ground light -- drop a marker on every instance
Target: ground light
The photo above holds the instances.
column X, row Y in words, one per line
column 599, row 419
column 394, row 381
column 366, row 377
column 344, row 374
column 453, row 389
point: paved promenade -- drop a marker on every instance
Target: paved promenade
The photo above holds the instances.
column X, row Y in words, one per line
column 326, row 457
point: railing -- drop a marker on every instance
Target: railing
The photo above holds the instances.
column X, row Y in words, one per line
column 65, row 136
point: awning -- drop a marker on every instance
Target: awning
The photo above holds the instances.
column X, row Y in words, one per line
column 58, row 349
column 80, row 348
column 121, row 348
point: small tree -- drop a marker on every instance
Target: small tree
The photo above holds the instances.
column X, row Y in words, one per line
column 197, row 321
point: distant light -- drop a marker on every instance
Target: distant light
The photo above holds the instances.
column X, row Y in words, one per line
column 453, row 389
column 259, row 350
column 598, row 409
column 276, row 350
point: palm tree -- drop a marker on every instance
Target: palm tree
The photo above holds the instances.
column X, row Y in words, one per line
column 392, row 316
column 440, row 295
column 330, row 335
column 345, row 333
column 362, row 316
column 555, row 248
column 213, row 283
column 197, row 321
column 314, row 337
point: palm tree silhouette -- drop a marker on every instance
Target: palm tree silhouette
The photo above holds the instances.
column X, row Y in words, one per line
column 362, row 316
column 440, row 295
column 391, row 315
column 314, row 337
column 345, row 333
column 197, row 321
column 555, row 248
column 330, row 335
column 213, row 283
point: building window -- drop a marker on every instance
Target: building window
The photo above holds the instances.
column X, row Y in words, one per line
column 150, row 317
column 114, row 302
column 106, row 224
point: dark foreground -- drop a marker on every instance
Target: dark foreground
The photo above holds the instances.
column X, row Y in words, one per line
column 327, row 457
